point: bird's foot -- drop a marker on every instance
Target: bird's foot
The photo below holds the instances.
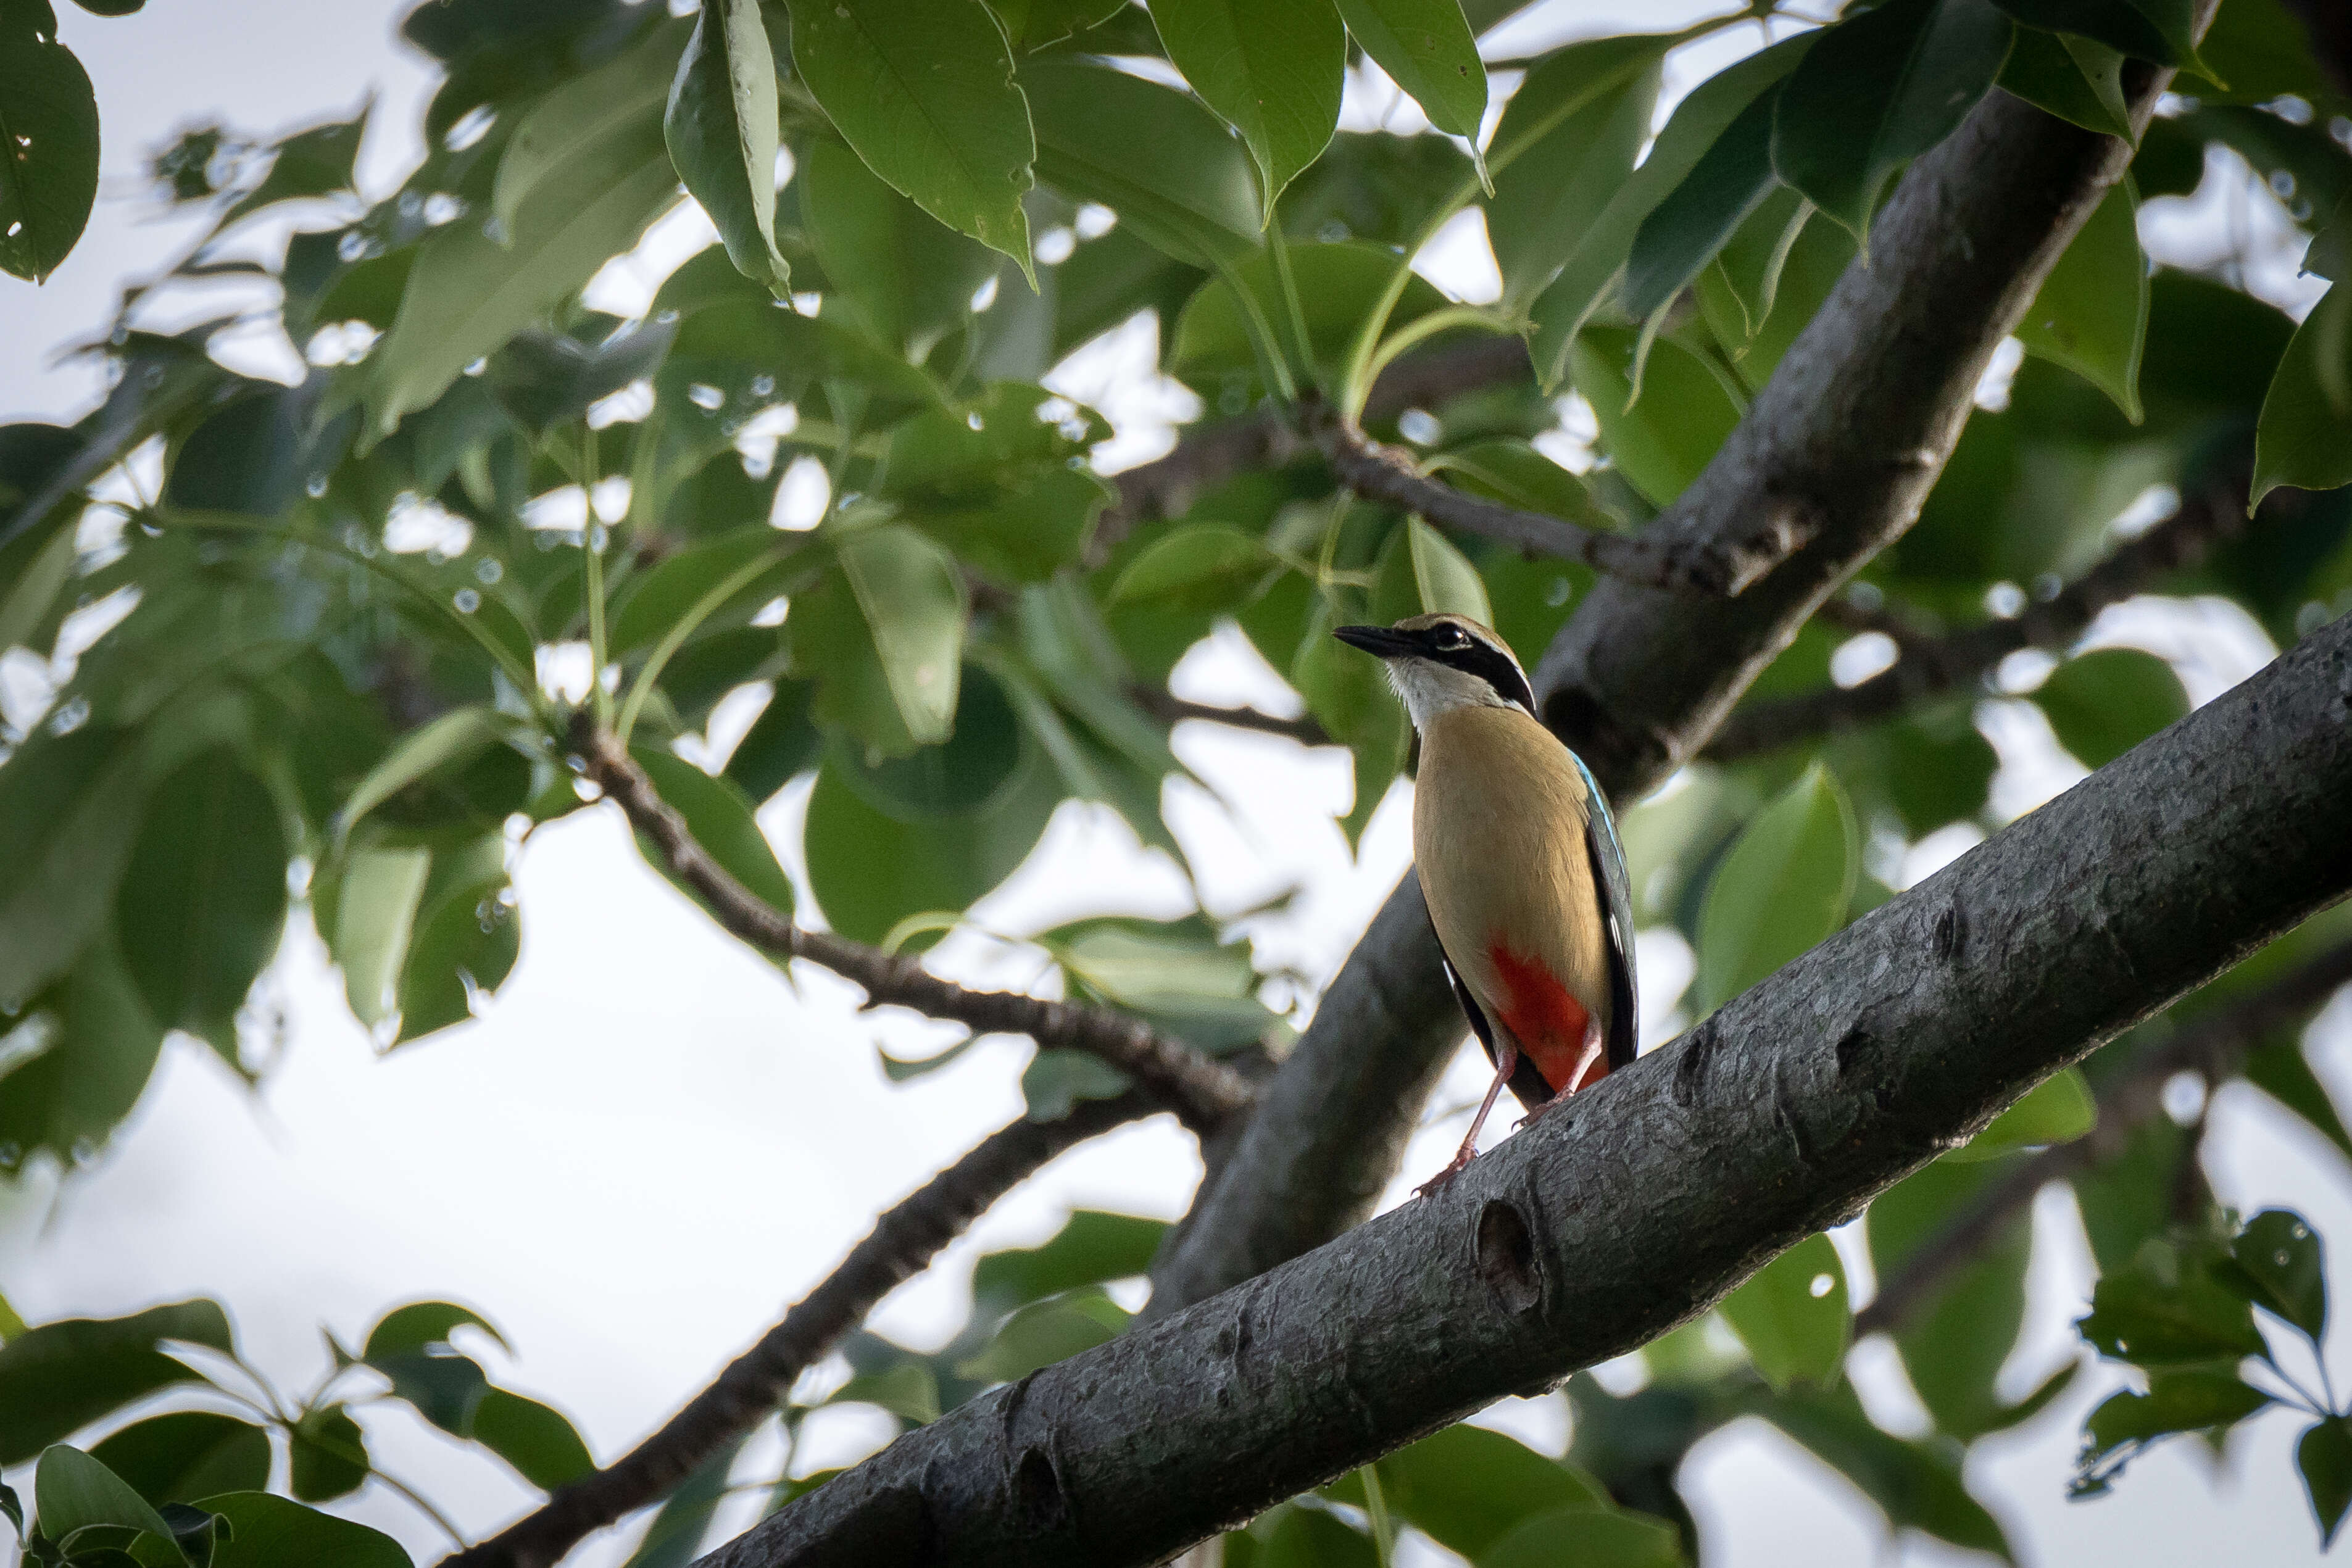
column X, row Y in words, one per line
column 1444, row 1179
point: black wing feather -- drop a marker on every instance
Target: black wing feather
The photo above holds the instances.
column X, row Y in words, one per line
column 1528, row 1085
column 1617, row 889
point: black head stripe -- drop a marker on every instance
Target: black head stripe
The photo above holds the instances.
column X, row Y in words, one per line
column 1492, row 665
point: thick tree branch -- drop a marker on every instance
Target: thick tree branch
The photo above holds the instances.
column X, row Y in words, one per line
column 1169, row 709
column 1641, row 1202
column 1201, row 1091
column 1852, row 428
column 2212, row 1047
column 901, row 1246
column 1208, row 456
column 1694, row 563
column 1931, row 667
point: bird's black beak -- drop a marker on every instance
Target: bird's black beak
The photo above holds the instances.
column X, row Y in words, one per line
column 1381, row 641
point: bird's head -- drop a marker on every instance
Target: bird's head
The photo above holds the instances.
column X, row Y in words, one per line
column 1442, row 662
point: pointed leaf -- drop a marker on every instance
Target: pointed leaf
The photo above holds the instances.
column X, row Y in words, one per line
column 538, row 1441
column 2324, row 1455
column 49, row 147
column 1879, row 89
column 1783, row 887
column 720, row 816
column 923, row 91
column 615, row 105
column 2278, row 1256
column 2058, row 1110
column 1591, row 1538
column 1426, row 47
column 910, row 278
column 73, row 1491
column 326, row 1455
column 1660, row 440
column 2193, row 1399
column 2076, row 78
column 187, row 1454
column 1273, row 72
column 58, row 1378
column 266, row 1532
column 1699, row 216
column 720, row 125
column 2164, row 31
column 2304, row 436
column 2091, row 313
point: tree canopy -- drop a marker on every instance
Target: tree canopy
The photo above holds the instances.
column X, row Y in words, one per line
column 1707, row 453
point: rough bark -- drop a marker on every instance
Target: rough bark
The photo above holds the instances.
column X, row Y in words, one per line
column 1642, row 1202
column 901, row 1246
column 1851, row 432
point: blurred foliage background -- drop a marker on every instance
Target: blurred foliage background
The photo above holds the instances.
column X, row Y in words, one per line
column 815, row 520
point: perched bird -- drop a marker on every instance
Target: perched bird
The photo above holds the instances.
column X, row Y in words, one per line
column 1519, row 862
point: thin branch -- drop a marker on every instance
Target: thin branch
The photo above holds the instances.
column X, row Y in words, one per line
column 1170, row 708
column 1210, row 455
column 901, row 1245
column 1929, row 667
column 2212, row 1047
column 1691, row 564
column 1201, row 1091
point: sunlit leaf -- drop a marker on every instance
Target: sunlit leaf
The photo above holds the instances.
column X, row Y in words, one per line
column 1273, row 72
column 1426, row 47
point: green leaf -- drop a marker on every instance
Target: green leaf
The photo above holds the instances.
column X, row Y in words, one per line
column 870, row 871
column 1593, row 270
column 883, row 635
column 68, row 816
column 1348, row 696
column 464, row 942
column 1426, row 47
column 614, row 105
column 70, row 1088
column 673, row 1538
column 249, row 457
column 997, row 442
column 2102, row 705
column 2324, row 1455
column 1031, row 24
column 909, row 1391
column 781, row 742
column 327, row 1455
column 965, row 773
column 267, row 1531
column 1273, row 72
column 1917, row 1484
column 1420, row 571
column 2164, row 31
column 375, row 896
column 1590, row 1538
column 923, row 91
column 1782, row 888
column 187, row 1454
column 2058, row 1110
column 1792, row 1316
column 73, row 1491
column 2193, row 1399
column 2142, row 1316
column 1699, row 217
column 476, row 284
column 2091, row 313
column 49, row 147
column 910, row 277
column 538, row 1441
column 2076, row 78
column 1337, row 284
column 720, row 125
column 1186, row 189
column 1194, row 567
column 662, row 597
column 1661, row 440
column 2304, row 436
column 2277, row 1263
column 1090, row 1249
column 441, row 749
column 204, row 897
column 309, row 164
column 1954, row 1348
column 58, row 1378
column 2281, row 1071
column 1564, row 150
column 1044, row 1333
column 1467, row 1488
column 1055, row 1080
column 1879, row 89
column 720, row 816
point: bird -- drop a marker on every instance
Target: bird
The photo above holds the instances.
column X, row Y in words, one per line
column 1520, row 865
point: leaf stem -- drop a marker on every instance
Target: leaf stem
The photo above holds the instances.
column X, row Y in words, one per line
column 1376, row 1503
column 592, row 579
column 1278, row 248
column 416, row 1499
column 718, row 594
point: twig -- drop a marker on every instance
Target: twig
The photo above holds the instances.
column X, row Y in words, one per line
column 901, row 1246
column 2212, row 1047
column 1170, row 708
column 1209, row 455
column 1201, row 1091
column 1686, row 564
column 1928, row 667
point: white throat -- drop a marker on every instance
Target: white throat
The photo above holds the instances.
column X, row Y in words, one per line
column 1428, row 689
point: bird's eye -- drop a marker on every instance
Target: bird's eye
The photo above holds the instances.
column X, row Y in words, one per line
column 1453, row 638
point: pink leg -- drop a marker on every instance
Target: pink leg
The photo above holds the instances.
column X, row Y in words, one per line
column 1584, row 1063
column 1506, row 1060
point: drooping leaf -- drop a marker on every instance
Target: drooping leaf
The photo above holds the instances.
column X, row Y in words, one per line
column 2280, row 1070
column 2146, row 1315
column 327, row 1455
column 73, row 1491
column 202, row 898
column 1563, row 147
column 2305, row 437
column 923, row 91
column 1348, row 696
column 1047, row 1332
column 266, row 1532
column 883, row 636
column 614, row 105
column 1919, row 1484
column 1954, row 1346
column 1792, row 1316
column 1699, row 217
column 2278, row 1263
column 781, row 742
column 869, row 870
column 1782, row 888
column 961, row 774
column 910, row 278
column 1031, row 24
column 2076, row 78
column 1337, row 283
column 1661, row 440
column 537, row 1440
column 2164, row 31
column 2191, row 1399
column 187, row 1454
column 1879, row 89
column 446, row 746
column 69, row 817
column 1421, row 571
column 49, row 145
column 2091, row 313
column 1273, row 73
column 674, row 1536
column 2103, row 704
column 1467, row 1488
column 720, row 126
column 2324, row 1455
column 1426, row 47
column 1090, row 1249
column 2058, row 1110
column 60, row 1376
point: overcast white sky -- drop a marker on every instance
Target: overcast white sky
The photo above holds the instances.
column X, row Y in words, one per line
column 652, row 1144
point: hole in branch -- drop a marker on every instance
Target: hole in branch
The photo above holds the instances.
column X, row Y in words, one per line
column 1506, row 1255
